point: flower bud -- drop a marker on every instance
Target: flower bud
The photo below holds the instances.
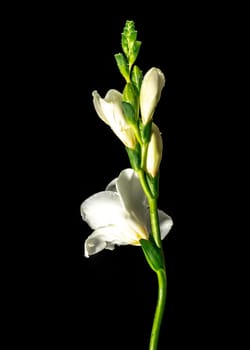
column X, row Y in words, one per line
column 154, row 154
column 110, row 110
column 152, row 85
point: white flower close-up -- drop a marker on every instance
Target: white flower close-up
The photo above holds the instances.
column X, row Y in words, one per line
column 109, row 109
column 119, row 215
column 155, row 148
column 151, row 88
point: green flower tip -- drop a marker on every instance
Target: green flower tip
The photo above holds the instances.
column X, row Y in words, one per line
column 129, row 26
column 130, row 45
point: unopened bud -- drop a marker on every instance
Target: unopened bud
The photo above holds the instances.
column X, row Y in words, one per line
column 154, row 154
column 152, row 85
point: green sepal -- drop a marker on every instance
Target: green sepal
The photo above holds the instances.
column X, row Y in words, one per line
column 146, row 132
column 130, row 45
column 129, row 112
column 134, row 53
column 125, row 44
column 122, row 64
column 136, row 77
column 132, row 35
column 134, row 156
column 153, row 184
column 153, row 254
column 130, row 95
column 129, row 36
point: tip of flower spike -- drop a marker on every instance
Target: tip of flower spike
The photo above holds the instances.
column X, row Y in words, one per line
column 129, row 25
column 130, row 47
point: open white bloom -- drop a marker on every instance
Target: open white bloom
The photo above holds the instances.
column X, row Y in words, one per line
column 109, row 109
column 119, row 215
column 152, row 85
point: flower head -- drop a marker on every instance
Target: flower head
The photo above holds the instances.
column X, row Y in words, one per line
column 154, row 154
column 119, row 215
column 152, row 85
column 109, row 109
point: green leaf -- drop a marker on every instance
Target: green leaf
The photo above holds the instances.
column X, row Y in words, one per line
column 122, row 64
column 153, row 254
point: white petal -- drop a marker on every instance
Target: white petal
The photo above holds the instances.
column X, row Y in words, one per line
column 132, row 195
column 112, row 185
column 112, row 108
column 103, row 109
column 93, row 245
column 155, row 149
column 166, row 223
column 118, row 122
column 100, row 239
column 110, row 111
column 106, row 238
column 102, row 209
column 113, row 96
column 152, row 85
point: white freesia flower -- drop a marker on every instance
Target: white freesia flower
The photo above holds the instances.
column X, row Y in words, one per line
column 152, row 85
column 155, row 148
column 109, row 109
column 119, row 215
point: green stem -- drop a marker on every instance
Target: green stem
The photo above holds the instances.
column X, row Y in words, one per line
column 161, row 273
column 159, row 311
column 144, row 184
column 144, row 150
column 161, row 276
column 154, row 218
column 137, row 134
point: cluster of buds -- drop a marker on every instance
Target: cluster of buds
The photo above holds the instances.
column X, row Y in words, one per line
column 130, row 113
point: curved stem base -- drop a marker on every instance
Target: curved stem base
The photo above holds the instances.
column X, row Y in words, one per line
column 159, row 311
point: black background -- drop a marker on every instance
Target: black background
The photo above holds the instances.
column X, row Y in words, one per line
column 65, row 153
